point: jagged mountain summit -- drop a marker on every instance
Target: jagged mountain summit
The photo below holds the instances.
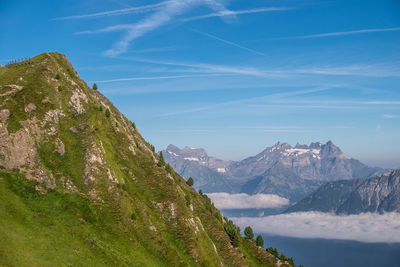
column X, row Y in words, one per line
column 194, row 162
column 79, row 186
column 288, row 171
column 376, row 194
column 323, row 162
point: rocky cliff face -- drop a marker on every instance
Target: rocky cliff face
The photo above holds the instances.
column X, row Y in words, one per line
column 281, row 181
column 377, row 194
column 291, row 172
column 80, row 186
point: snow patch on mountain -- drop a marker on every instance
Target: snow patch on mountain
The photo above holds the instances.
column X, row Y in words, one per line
column 191, row 159
column 300, row 151
column 172, row 153
column 222, row 170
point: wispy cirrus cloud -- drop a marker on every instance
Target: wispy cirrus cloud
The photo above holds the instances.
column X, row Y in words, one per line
column 251, row 100
column 224, row 200
column 227, row 42
column 230, row 13
column 198, row 131
column 116, row 12
column 214, row 68
column 168, row 12
column 331, row 34
column 322, row 104
column 164, row 13
column 155, row 78
column 372, row 70
column 268, row 127
column 290, row 101
column 381, row 103
column 155, row 49
column 362, row 70
column 286, row 131
column 114, row 28
column 391, row 116
column 365, row 227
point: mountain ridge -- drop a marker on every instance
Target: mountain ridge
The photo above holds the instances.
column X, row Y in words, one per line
column 80, row 186
column 307, row 167
column 376, row 194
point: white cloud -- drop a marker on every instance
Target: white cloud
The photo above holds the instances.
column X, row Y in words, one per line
column 116, row 12
column 391, row 116
column 213, row 68
column 114, row 28
column 330, row 34
column 186, row 131
column 247, row 100
column 376, row 70
column 163, row 15
column 230, row 13
column 286, row 131
column 156, row 78
column 382, row 103
column 244, row 201
column 227, row 42
column 365, row 227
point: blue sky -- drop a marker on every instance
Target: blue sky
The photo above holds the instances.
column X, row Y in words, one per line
column 231, row 76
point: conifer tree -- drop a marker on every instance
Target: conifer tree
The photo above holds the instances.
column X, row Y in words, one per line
column 248, row 232
column 260, row 241
column 190, row 181
column 161, row 162
column 283, row 257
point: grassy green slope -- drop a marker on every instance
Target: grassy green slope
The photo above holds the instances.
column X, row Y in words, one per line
column 102, row 199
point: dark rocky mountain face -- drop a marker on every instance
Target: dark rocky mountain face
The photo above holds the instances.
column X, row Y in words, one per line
column 377, row 194
column 288, row 171
column 281, row 181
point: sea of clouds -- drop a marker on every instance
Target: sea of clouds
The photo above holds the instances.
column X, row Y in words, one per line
column 365, row 227
column 244, row 201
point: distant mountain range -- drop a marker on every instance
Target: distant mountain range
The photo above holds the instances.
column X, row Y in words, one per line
column 291, row 172
column 209, row 172
column 377, row 194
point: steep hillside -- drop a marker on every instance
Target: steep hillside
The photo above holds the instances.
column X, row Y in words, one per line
column 377, row 194
column 79, row 186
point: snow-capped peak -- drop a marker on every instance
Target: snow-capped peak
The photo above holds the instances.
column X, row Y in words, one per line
column 300, row 151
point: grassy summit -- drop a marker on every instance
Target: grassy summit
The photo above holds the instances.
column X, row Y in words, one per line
column 79, row 186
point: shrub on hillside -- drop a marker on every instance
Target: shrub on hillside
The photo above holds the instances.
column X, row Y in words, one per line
column 108, row 114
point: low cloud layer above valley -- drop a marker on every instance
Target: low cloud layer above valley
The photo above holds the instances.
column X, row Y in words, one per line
column 365, row 227
column 244, row 201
